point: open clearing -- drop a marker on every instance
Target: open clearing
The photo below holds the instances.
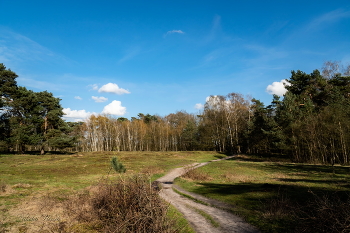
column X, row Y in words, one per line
column 265, row 193
column 33, row 186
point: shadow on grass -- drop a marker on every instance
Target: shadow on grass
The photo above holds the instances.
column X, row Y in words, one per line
column 222, row 155
column 309, row 168
column 262, row 192
column 337, row 182
column 288, row 167
column 38, row 153
column 286, row 208
column 294, row 206
column 257, row 158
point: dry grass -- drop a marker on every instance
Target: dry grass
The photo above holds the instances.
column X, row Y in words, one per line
column 21, row 185
column 197, row 175
column 151, row 170
column 126, row 204
column 6, row 189
column 3, row 186
column 39, row 213
column 237, row 178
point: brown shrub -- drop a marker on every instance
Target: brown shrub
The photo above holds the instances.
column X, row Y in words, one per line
column 129, row 205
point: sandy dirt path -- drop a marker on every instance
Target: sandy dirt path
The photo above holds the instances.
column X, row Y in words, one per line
column 225, row 221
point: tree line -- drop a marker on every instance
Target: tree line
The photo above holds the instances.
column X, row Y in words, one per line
column 309, row 124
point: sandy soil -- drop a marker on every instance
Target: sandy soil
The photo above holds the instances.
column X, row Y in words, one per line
column 227, row 221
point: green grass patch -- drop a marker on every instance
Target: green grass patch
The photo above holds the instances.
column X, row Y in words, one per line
column 277, row 196
column 181, row 222
column 79, row 170
column 207, row 217
column 189, row 197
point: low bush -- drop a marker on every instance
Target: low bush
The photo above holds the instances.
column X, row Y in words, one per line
column 129, row 205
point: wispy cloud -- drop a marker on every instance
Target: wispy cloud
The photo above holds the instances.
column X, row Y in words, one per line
column 131, row 53
column 38, row 85
column 100, row 99
column 214, row 30
column 94, row 87
column 316, row 25
column 174, row 31
column 264, row 55
column 216, row 24
column 327, row 19
column 223, row 57
column 78, row 97
column 16, row 47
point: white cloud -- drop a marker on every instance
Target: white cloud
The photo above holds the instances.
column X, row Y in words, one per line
column 99, row 99
column 174, row 31
column 78, row 97
column 114, row 108
column 199, row 106
column 278, row 87
column 113, row 88
column 75, row 115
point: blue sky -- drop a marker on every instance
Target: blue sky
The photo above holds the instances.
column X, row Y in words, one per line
column 159, row 57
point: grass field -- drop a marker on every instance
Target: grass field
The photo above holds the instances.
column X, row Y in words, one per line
column 274, row 196
column 31, row 183
column 278, row 196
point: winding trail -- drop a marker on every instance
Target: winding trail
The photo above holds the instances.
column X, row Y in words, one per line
column 225, row 221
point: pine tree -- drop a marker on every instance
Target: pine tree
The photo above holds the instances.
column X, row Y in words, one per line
column 117, row 166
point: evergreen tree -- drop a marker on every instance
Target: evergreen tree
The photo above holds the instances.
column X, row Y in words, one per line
column 314, row 117
column 117, row 166
column 27, row 117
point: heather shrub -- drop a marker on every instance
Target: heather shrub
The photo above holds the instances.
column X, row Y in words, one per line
column 130, row 204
